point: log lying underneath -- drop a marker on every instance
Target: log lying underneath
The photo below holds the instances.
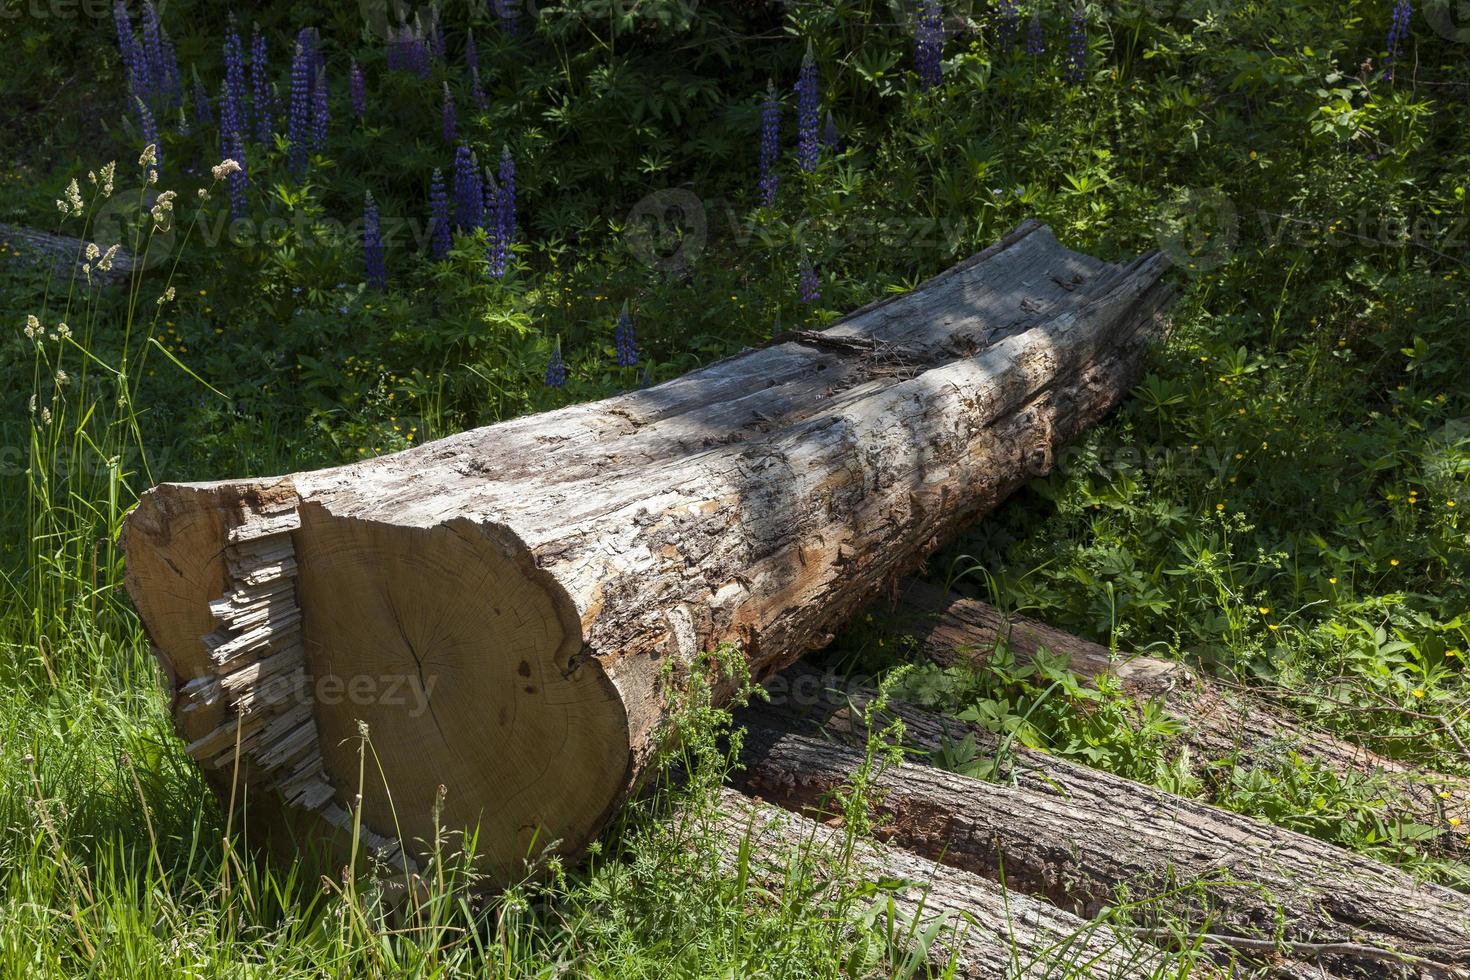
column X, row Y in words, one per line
column 1076, row 836
column 1214, row 723
column 988, row 934
column 508, row 609
column 65, row 256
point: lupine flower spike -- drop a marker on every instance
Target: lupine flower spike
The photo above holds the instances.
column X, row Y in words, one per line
column 509, row 15
column 497, row 251
column 125, row 40
column 770, row 147
column 203, row 115
column 320, row 111
column 372, row 246
column 299, row 124
column 623, row 341
column 807, row 281
column 260, row 88
column 556, row 368
column 808, row 112
column 1398, row 31
column 447, row 116
column 468, row 191
column 1035, row 37
column 507, row 203
column 235, row 78
column 830, row 137
column 477, row 91
column 357, row 90
column 1007, row 24
column 439, row 215
column 1077, row 46
column 149, row 130
column 929, row 46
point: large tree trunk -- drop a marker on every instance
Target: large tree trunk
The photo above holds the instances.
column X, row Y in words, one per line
column 1214, row 722
column 986, row 933
column 1079, row 836
column 506, row 610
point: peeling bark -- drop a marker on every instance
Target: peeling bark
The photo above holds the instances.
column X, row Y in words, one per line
column 988, row 933
column 1215, row 723
column 1078, row 837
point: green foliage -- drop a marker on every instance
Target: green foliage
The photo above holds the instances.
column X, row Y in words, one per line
column 1278, row 504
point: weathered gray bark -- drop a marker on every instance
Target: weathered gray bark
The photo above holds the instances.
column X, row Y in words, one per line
column 537, row 585
column 1215, row 723
column 1077, row 836
column 65, row 256
column 989, row 934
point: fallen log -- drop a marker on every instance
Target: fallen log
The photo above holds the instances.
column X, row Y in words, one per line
column 1214, row 722
column 506, row 611
column 986, row 933
column 1079, row 837
column 64, row 256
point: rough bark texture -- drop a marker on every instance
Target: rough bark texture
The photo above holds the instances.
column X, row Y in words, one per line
column 989, row 934
column 1216, row 723
column 535, row 586
column 63, row 255
column 1076, row 836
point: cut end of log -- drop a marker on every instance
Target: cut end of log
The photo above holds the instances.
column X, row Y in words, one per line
column 444, row 646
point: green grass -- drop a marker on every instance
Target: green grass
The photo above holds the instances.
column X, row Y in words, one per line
column 1278, row 504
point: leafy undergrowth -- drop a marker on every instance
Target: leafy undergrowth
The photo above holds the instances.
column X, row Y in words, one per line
column 1278, row 504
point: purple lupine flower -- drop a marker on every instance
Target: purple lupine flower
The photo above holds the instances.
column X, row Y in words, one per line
column 232, row 147
column 469, row 201
column 1077, row 46
column 830, row 137
column 202, row 112
column 471, row 52
column 1398, row 31
column 238, row 182
column 260, row 87
column 436, row 33
column 173, row 84
column 623, row 341
column 299, row 123
column 1007, row 24
column 770, row 147
column 448, row 118
column 320, row 112
column 509, row 14
column 372, row 245
column 440, row 239
column 126, row 43
column 1035, row 37
column 556, row 368
column 149, row 128
column 929, row 43
column 477, row 91
column 808, row 110
column 153, row 47
column 807, row 282
column 142, row 79
column 235, row 78
column 506, row 212
column 497, row 251
column 357, row 90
